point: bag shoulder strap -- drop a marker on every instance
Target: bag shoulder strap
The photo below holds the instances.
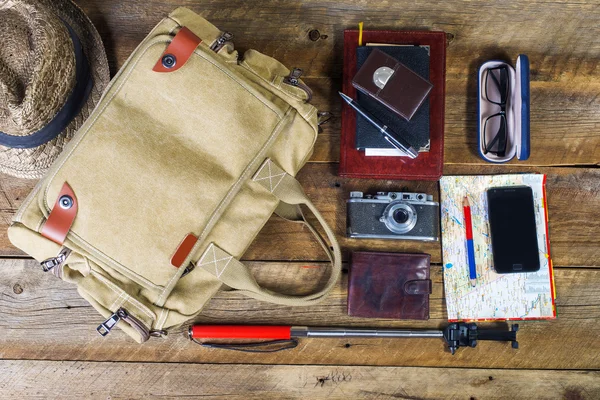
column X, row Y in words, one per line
column 236, row 275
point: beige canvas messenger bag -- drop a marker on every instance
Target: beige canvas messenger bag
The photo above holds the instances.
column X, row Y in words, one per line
column 151, row 205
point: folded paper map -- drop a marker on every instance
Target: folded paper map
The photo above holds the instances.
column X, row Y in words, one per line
column 517, row 296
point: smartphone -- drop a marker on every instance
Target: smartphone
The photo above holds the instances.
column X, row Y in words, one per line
column 513, row 229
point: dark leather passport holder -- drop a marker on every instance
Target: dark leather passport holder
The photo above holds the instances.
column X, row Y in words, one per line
column 392, row 83
column 389, row 285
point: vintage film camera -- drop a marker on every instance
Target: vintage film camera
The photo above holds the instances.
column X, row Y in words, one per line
column 393, row 215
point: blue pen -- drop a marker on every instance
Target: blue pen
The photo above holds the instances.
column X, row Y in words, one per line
column 470, row 248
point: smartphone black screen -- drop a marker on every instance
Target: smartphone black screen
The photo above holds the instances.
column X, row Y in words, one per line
column 513, row 229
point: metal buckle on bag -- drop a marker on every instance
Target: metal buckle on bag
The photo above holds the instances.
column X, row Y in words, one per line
column 220, row 41
column 105, row 327
column 293, row 79
column 50, row 263
column 122, row 315
column 188, row 269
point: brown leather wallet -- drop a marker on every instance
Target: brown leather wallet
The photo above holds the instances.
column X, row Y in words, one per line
column 389, row 285
column 392, row 83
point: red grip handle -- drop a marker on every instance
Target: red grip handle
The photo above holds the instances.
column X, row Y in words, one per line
column 240, row 332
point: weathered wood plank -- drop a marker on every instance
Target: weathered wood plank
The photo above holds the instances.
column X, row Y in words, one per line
column 282, row 29
column 573, row 202
column 53, row 380
column 44, row 318
column 12, row 193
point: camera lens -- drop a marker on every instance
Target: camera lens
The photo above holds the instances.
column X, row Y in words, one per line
column 400, row 216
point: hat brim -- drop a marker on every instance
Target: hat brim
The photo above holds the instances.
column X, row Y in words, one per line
column 32, row 163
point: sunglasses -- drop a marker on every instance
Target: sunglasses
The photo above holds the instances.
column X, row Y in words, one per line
column 494, row 129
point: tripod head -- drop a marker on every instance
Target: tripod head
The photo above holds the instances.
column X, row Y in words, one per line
column 461, row 334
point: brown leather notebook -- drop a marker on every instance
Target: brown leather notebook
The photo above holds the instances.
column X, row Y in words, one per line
column 389, row 285
column 428, row 165
column 392, row 83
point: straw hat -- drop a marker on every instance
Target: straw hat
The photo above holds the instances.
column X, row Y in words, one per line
column 53, row 71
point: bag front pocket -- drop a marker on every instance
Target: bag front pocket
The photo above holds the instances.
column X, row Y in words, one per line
column 118, row 306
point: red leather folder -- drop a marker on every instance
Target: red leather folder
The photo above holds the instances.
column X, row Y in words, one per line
column 428, row 165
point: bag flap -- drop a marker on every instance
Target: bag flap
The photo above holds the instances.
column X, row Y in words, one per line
column 159, row 158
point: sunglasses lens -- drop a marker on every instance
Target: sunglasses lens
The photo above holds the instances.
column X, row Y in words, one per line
column 496, row 85
column 495, row 135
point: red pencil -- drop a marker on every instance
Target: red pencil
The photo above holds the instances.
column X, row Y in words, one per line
column 470, row 247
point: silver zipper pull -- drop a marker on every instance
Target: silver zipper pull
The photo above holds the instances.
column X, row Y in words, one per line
column 105, row 327
column 53, row 262
column 188, row 269
column 221, row 40
column 294, row 79
column 122, row 314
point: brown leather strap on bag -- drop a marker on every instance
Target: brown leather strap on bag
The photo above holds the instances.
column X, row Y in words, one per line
column 178, row 51
column 236, row 275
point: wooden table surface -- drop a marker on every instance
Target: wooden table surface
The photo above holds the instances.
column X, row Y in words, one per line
column 48, row 343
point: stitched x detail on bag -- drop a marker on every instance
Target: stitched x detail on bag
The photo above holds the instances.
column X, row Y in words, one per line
column 269, row 175
column 215, row 260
